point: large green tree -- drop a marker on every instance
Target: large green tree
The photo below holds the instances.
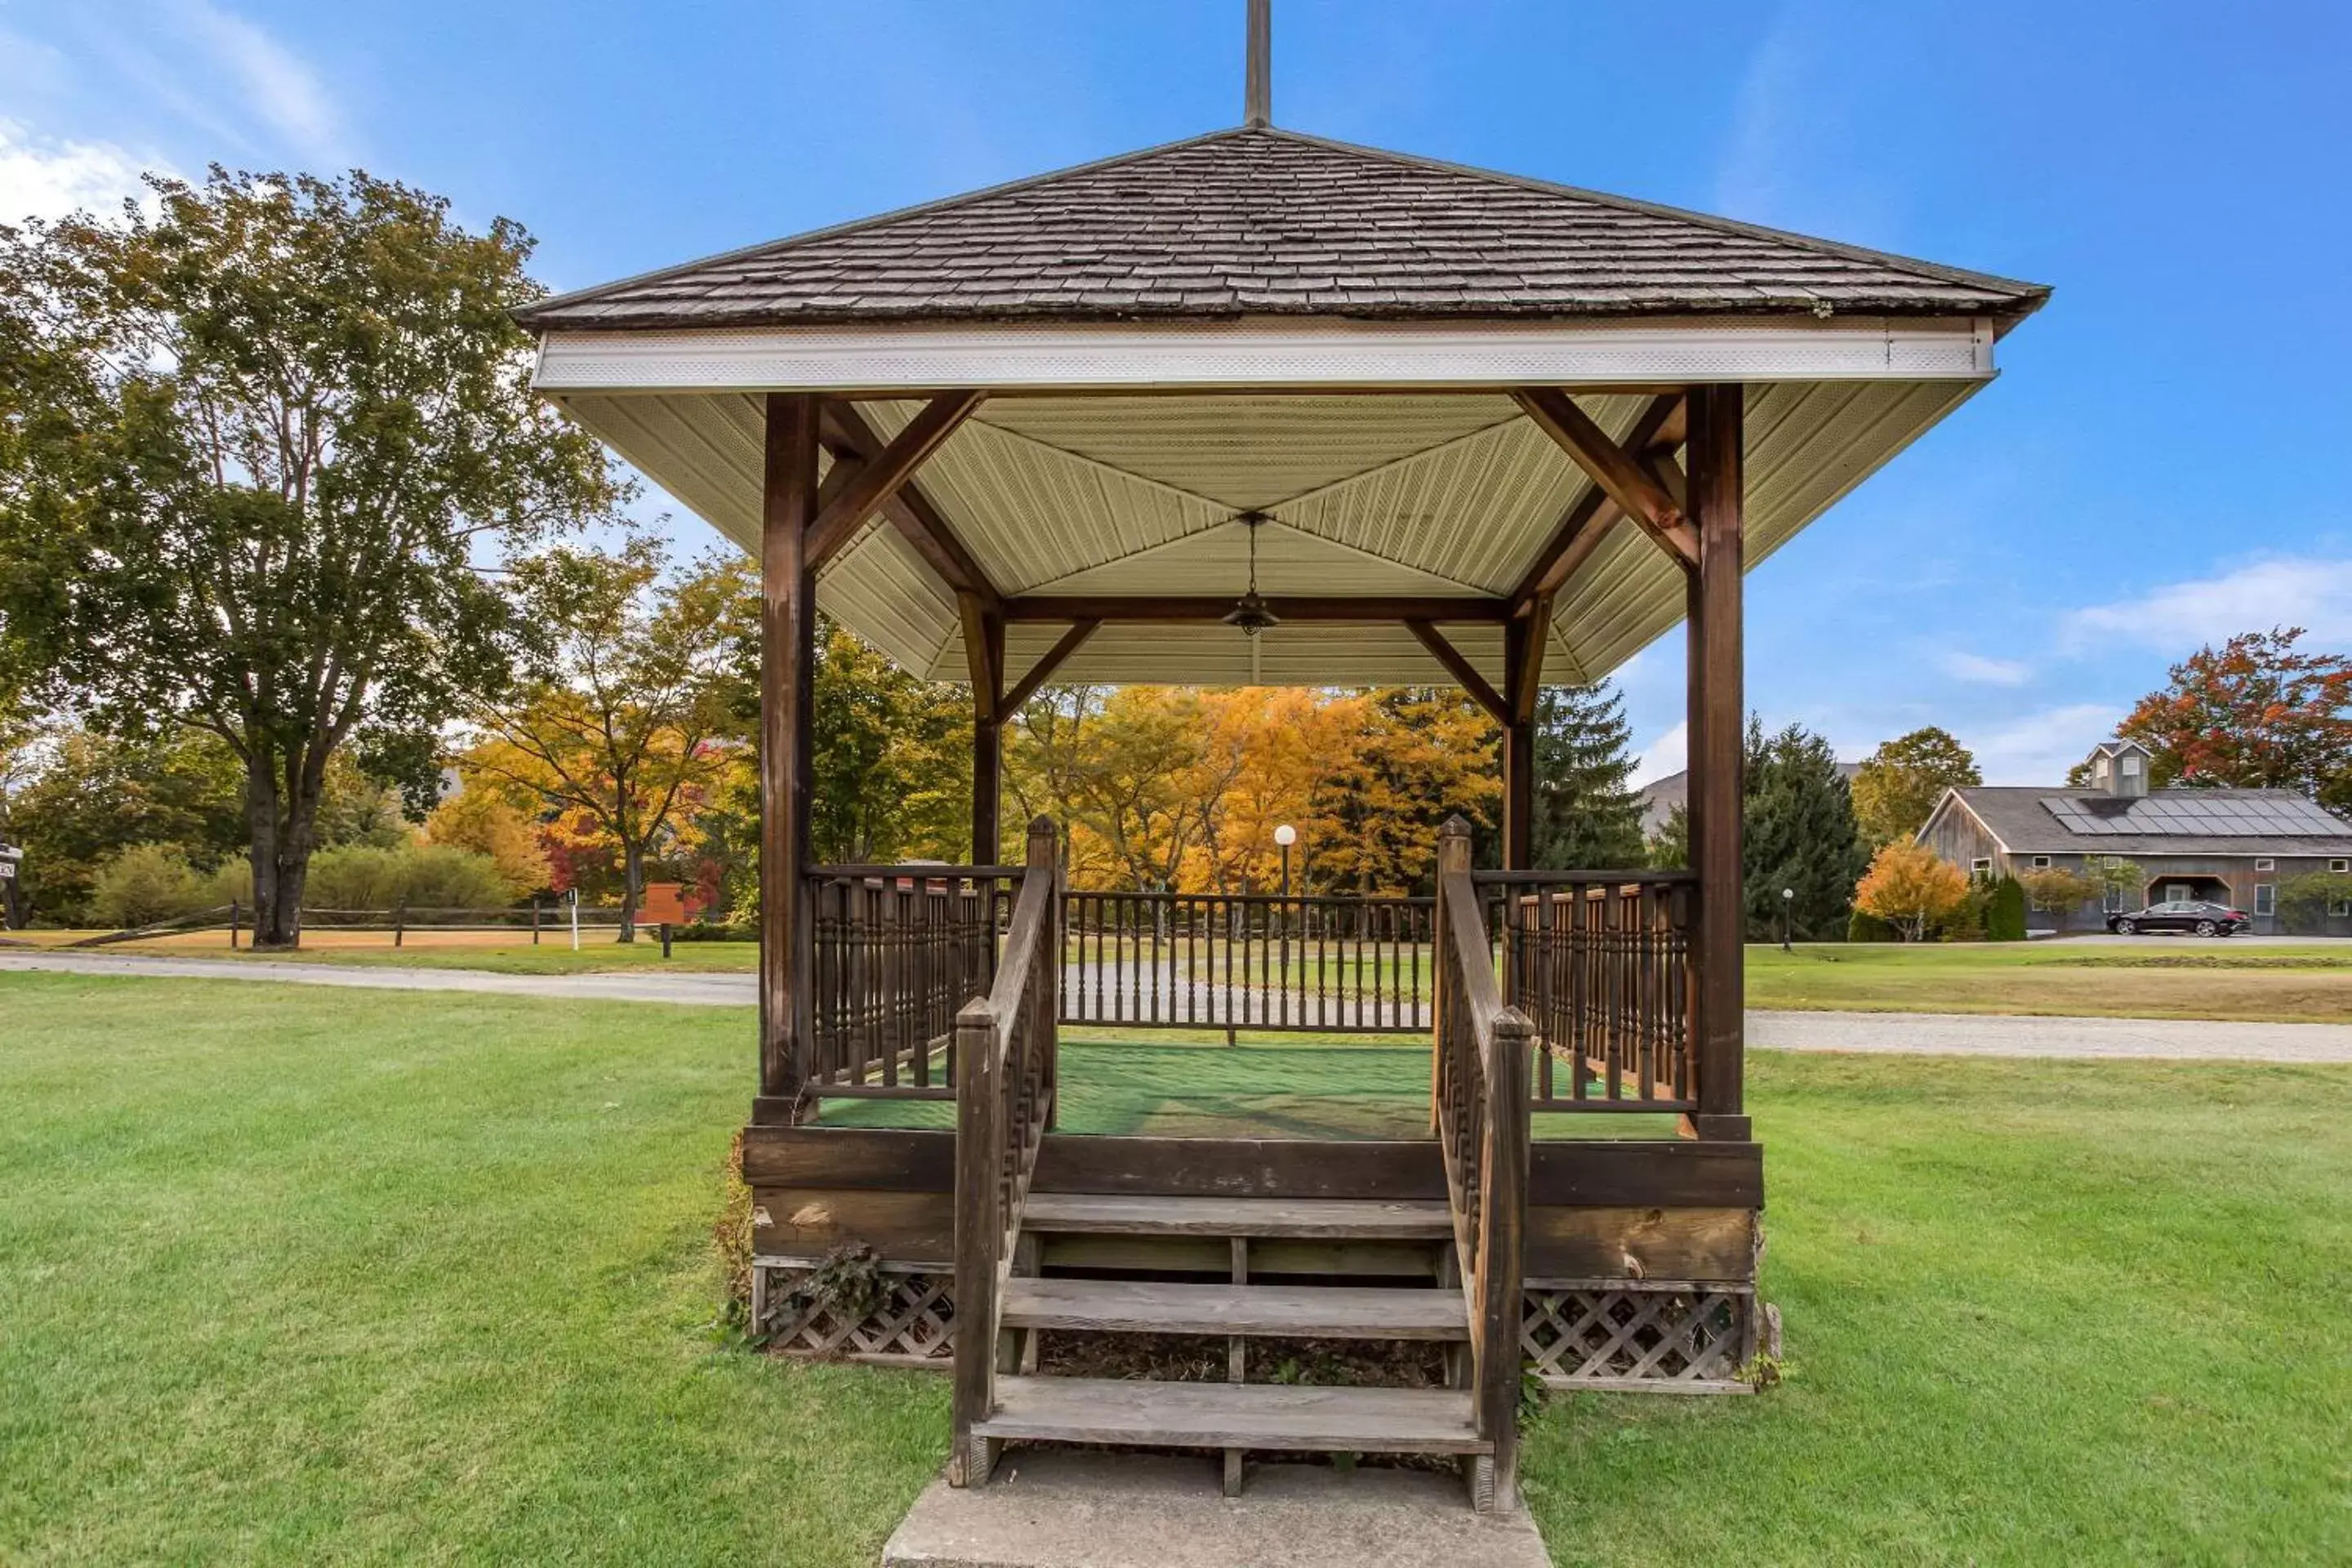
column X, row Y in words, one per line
column 1800, row 835
column 1899, row 783
column 265, row 441
column 1587, row 815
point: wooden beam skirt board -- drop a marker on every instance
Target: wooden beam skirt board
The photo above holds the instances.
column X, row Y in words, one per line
column 1613, row 468
column 881, row 474
column 1336, row 608
column 1460, row 669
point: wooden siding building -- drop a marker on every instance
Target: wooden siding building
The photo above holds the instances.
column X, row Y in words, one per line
column 2234, row 847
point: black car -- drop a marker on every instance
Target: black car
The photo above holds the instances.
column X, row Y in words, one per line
column 2181, row 914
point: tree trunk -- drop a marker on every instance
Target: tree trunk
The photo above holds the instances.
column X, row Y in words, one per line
column 633, row 870
column 278, row 827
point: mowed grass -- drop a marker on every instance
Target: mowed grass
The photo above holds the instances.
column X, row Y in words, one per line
column 292, row 1275
column 2156, row 977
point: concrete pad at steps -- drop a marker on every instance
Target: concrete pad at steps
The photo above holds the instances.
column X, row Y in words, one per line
column 1060, row 1508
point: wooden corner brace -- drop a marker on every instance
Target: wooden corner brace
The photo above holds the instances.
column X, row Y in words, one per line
column 1633, row 481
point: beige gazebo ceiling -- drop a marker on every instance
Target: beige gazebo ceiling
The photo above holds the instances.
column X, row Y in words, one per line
column 1259, row 320
column 1410, row 494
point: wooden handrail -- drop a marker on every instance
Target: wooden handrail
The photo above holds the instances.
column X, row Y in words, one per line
column 1481, row 1056
column 1005, row 1086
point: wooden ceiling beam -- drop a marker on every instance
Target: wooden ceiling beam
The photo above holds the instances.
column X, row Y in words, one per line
column 1615, row 471
column 1170, row 609
column 1042, row 670
column 1464, row 674
column 1588, row 519
column 1525, row 677
column 883, row 474
column 850, row 438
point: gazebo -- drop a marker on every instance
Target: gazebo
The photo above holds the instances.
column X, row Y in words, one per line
column 1261, row 408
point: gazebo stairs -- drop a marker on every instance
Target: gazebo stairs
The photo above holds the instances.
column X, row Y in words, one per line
column 1129, row 1246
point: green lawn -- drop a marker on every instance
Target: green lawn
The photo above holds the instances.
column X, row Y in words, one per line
column 295, row 1275
column 2158, row 977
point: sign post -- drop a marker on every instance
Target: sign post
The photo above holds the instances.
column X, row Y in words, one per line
column 12, row 914
column 572, row 898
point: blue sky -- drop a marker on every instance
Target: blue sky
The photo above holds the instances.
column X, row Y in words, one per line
column 2159, row 465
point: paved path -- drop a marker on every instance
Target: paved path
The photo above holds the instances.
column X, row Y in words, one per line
column 1941, row 1033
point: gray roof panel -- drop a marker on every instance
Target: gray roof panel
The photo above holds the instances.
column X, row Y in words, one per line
column 2034, row 819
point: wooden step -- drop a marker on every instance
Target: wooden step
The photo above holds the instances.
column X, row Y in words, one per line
column 1349, row 1219
column 1298, row 1312
column 1235, row 1415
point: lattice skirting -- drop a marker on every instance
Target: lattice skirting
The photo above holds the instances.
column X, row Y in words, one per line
column 913, row 1326
column 1659, row 1336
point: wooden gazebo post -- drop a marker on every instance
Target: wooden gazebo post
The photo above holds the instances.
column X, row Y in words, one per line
column 787, row 670
column 1716, row 758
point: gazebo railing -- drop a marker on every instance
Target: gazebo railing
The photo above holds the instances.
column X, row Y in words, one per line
column 1282, row 962
column 897, row 950
column 1600, row 962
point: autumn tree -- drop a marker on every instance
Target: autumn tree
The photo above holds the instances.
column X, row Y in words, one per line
column 1587, row 814
column 1910, row 887
column 2255, row 713
column 482, row 821
column 1899, row 783
column 1425, row 753
column 620, row 728
column 257, row 446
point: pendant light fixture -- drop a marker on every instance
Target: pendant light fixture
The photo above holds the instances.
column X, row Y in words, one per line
column 1251, row 612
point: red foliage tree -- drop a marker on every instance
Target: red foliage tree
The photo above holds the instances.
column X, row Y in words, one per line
column 2255, row 713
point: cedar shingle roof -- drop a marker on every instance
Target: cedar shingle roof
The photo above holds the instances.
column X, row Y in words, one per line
column 1265, row 221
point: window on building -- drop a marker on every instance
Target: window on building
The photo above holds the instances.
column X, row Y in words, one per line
column 2265, row 899
column 2262, row 865
column 2339, row 906
column 2340, row 864
column 2131, row 767
column 1980, row 867
column 2042, row 862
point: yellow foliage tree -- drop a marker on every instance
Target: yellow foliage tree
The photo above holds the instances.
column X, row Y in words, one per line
column 476, row 818
column 1911, row 888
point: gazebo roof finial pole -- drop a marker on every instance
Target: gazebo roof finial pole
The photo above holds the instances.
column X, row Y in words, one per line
column 1258, row 99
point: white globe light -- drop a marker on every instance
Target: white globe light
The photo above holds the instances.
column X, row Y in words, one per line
column 1286, row 836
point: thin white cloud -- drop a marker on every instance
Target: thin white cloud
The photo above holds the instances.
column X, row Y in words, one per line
column 1669, row 753
column 42, row 176
column 1976, row 667
column 275, row 85
column 2038, row 748
column 2314, row 593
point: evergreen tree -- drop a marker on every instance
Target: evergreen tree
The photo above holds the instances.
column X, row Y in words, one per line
column 1586, row 815
column 1800, row 835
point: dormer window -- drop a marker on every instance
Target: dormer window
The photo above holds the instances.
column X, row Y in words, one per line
column 2131, row 767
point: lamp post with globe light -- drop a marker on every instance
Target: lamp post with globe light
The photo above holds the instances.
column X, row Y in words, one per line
column 1286, row 836
column 1787, row 904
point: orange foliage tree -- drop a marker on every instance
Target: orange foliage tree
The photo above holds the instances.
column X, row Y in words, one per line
column 1911, row 888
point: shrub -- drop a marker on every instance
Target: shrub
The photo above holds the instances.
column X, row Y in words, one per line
column 414, row 876
column 2303, row 901
column 2058, row 890
column 2005, row 910
column 144, row 884
column 478, row 820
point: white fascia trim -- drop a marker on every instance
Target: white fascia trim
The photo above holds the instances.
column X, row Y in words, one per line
column 1266, row 352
